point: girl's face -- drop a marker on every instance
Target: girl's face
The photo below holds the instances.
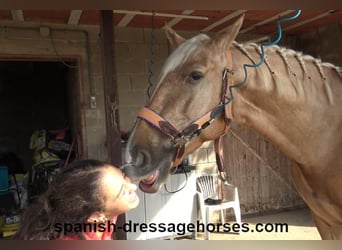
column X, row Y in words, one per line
column 120, row 194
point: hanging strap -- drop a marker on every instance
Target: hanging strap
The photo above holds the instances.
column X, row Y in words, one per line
column 229, row 80
column 219, row 158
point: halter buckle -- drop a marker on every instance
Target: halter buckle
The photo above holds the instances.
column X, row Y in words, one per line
column 180, row 140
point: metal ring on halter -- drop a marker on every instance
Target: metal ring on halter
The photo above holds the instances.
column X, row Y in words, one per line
column 179, row 141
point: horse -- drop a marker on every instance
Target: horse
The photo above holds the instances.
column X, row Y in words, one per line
column 293, row 100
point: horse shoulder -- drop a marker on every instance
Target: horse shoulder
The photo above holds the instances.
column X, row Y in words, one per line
column 321, row 192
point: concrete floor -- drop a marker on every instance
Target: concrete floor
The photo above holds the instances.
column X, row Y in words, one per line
column 300, row 227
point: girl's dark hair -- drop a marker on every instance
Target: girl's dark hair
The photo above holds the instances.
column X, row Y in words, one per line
column 72, row 197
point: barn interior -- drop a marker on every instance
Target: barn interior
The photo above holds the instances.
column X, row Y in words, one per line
column 54, row 89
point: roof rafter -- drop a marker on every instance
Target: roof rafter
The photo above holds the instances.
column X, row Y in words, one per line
column 126, row 19
column 17, row 15
column 147, row 13
column 310, row 20
column 178, row 19
column 225, row 19
column 268, row 20
column 75, row 16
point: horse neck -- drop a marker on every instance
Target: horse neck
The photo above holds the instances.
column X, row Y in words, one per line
column 283, row 100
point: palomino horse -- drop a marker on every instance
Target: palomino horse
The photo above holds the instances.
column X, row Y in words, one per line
column 292, row 100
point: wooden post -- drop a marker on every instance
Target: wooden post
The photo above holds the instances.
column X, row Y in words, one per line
column 111, row 97
column 110, row 87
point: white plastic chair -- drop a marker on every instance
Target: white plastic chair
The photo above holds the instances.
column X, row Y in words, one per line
column 210, row 191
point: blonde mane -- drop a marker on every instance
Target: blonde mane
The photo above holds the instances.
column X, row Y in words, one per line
column 285, row 54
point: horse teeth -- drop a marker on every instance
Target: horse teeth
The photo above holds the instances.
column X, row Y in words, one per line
column 149, row 178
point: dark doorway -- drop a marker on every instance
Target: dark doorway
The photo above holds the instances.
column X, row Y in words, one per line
column 35, row 95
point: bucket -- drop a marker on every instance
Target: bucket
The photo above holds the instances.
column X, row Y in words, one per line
column 3, row 180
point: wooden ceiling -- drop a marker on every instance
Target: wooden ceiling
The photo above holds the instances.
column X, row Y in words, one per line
column 257, row 22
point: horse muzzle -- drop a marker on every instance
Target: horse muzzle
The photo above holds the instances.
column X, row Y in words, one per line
column 149, row 170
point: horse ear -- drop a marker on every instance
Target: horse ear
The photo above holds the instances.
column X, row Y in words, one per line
column 226, row 37
column 174, row 39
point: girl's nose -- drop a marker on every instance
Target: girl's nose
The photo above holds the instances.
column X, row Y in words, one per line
column 132, row 186
column 127, row 179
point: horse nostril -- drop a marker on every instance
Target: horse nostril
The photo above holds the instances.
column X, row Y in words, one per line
column 143, row 158
column 140, row 163
column 139, row 159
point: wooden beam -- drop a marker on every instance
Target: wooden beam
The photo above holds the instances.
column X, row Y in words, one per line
column 110, row 88
column 75, row 16
column 259, row 39
column 225, row 19
column 309, row 20
column 17, row 15
column 111, row 99
column 147, row 13
column 178, row 19
column 125, row 20
column 268, row 20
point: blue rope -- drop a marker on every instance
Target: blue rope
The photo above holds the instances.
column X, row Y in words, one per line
column 262, row 59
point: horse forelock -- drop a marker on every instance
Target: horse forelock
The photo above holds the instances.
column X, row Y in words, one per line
column 339, row 71
column 181, row 54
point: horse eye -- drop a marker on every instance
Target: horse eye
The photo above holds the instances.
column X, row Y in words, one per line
column 195, row 76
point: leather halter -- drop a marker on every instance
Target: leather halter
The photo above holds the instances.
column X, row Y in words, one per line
column 180, row 137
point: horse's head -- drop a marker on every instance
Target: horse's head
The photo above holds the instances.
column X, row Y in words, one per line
column 189, row 86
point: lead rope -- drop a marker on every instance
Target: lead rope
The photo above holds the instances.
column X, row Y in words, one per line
column 219, row 159
column 262, row 56
column 179, row 189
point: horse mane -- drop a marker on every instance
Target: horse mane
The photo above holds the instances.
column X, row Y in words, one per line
column 285, row 54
